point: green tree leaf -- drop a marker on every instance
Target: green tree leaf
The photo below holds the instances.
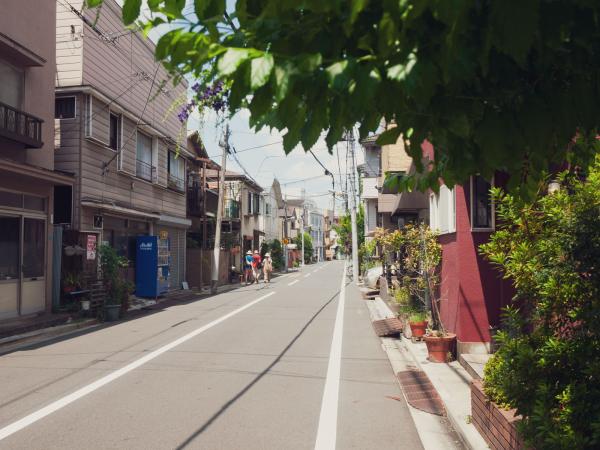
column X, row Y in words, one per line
column 260, row 70
column 231, row 60
column 131, row 11
column 389, row 136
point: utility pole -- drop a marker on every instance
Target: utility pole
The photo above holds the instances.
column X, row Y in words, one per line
column 352, row 178
column 217, row 250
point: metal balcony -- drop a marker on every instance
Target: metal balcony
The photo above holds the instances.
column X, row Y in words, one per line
column 176, row 183
column 20, row 127
column 145, row 171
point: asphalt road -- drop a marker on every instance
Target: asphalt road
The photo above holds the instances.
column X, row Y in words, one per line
column 279, row 366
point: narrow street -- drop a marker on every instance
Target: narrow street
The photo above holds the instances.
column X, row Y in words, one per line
column 253, row 368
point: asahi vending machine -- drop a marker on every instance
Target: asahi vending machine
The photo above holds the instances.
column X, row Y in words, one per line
column 152, row 266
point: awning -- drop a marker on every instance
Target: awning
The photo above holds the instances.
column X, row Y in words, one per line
column 410, row 201
column 174, row 221
column 119, row 209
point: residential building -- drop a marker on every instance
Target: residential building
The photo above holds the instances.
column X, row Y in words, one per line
column 28, row 179
column 117, row 132
column 270, row 217
column 471, row 292
column 316, row 230
column 391, row 210
column 370, row 173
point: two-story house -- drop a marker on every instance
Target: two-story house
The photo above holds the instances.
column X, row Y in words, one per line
column 316, row 227
column 271, row 223
column 119, row 134
column 383, row 207
column 28, row 177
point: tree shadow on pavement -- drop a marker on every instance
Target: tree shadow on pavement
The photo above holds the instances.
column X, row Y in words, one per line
column 249, row 386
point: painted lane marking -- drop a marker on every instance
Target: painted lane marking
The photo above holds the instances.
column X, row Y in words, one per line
column 307, row 275
column 293, row 282
column 327, row 431
column 62, row 402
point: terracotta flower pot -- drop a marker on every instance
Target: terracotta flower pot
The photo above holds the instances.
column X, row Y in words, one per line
column 439, row 347
column 418, row 328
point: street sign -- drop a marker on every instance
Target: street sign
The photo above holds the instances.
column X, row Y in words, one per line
column 286, row 241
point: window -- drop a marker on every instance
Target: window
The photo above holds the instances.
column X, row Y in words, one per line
column 34, row 242
column 482, row 207
column 64, row 108
column 249, row 202
column 143, row 165
column 9, row 243
column 256, row 203
column 87, row 104
column 176, row 169
column 114, row 131
column 442, row 209
column 12, row 82
column 268, row 209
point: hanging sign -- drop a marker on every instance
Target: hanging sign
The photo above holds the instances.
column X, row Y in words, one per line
column 91, row 246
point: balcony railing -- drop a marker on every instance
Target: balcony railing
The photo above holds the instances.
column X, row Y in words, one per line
column 20, row 127
column 174, row 182
column 232, row 209
column 145, row 171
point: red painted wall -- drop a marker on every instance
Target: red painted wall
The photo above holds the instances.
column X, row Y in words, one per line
column 472, row 291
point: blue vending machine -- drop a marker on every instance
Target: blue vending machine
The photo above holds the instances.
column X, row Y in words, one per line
column 152, row 266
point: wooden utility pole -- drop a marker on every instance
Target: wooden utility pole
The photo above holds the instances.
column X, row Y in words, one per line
column 217, row 250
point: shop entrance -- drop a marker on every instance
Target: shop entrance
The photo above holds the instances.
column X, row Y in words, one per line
column 22, row 265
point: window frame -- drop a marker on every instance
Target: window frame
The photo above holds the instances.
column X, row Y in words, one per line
column 119, row 130
column 472, row 208
column 22, row 75
column 153, row 169
column 179, row 161
column 435, row 212
column 74, row 97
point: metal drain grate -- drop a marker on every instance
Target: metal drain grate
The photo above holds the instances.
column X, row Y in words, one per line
column 387, row 327
column 419, row 392
column 369, row 295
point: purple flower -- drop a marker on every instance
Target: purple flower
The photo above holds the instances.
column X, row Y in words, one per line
column 196, row 87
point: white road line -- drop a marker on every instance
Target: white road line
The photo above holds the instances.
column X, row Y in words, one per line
column 327, row 431
column 307, row 275
column 62, row 402
column 293, row 282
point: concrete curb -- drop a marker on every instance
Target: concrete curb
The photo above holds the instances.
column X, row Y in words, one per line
column 17, row 341
column 434, row 431
column 451, row 381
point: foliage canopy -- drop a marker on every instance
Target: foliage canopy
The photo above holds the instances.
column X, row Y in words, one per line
column 548, row 363
column 492, row 84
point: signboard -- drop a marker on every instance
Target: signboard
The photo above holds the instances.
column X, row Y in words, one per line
column 164, row 234
column 91, row 246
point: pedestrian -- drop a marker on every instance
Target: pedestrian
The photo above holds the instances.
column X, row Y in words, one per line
column 248, row 261
column 256, row 266
column 267, row 268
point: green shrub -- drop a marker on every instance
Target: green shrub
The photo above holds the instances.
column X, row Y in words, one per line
column 548, row 362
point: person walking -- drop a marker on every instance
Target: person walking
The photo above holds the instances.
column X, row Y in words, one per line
column 248, row 261
column 267, row 268
column 256, row 266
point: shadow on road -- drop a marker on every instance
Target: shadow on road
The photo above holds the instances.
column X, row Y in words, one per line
column 249, row 386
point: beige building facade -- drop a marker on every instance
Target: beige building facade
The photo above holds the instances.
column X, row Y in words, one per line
column 118, row 133
column 27, row 175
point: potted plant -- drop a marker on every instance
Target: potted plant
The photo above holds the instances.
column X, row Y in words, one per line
column 417, row 320
column 71, row 282
column 423, row 256
column 117, row 288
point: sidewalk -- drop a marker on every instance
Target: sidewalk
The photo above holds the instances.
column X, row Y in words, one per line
column 451, row 381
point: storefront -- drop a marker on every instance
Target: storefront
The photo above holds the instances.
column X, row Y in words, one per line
column 26, row 240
